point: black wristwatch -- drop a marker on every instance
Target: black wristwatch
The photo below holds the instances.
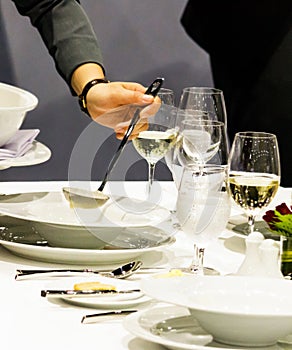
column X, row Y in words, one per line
column 87, row 87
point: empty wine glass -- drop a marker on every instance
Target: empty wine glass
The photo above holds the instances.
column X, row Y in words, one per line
column 254, row 172
column 154, row 143
column 209, row 101
column 198, row 142
column 170, row 158
column 202, row 210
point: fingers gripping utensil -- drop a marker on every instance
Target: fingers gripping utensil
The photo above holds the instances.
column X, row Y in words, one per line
column 81, row 198
column 121, row 272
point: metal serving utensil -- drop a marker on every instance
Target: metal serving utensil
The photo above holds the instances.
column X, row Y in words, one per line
column 81, row 198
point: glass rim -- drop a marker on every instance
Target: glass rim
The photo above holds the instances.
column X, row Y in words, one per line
column 207, row 90
column 202, row 122
column 255, row 134
column 166, row 91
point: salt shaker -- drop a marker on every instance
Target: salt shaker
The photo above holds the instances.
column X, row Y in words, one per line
column 252, row 264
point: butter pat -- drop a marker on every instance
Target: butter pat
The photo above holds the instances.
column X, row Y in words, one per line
column 171, row 273
column 93, row 286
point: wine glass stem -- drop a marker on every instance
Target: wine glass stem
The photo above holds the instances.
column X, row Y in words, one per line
column 197, row 265
column 151, row 170
column 251, row 221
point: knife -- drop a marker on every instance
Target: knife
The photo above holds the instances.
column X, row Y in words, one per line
column 104, row 315
column 84, row 293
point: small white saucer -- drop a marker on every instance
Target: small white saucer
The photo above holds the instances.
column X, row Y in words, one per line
column 107, row 301
column 39, row 153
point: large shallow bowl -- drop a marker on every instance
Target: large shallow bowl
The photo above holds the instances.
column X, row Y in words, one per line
column 119, row 222
column 14, row 104
column 236, row 310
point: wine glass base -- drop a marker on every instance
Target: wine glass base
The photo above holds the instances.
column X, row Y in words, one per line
column 260, row 226
column 207, row 271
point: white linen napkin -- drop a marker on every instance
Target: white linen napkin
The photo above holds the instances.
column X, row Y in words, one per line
column 19, row 144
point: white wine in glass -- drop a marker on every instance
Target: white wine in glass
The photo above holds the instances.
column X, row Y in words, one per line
column 155, row 142
column 254, row 172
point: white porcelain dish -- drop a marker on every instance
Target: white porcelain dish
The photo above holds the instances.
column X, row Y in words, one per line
column 14, row 105
column 92, row 257
column 53, row 208
column 39, row 153
column 119, row 222
column 241, row 311
column 141, row 322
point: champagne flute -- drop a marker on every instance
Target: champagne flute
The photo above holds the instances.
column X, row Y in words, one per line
column 160, row 136
column 254, row 172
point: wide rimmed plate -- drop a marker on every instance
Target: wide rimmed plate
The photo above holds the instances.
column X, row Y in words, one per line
column 141, row 322
column 53, row 208
column 39, row 252
column 39, row 153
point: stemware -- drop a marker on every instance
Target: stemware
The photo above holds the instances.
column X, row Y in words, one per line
column 160, row 136
column 211, row 103
column 203, row 209
column 196, row 104
column 199, row 142
column 254, row 172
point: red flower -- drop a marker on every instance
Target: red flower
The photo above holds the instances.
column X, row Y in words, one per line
column 283, row 209
column 280, row 219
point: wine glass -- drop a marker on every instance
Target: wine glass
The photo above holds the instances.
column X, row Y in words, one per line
column 202, row 210
column 198, row 142
column 154, row 143
column 209, row 101
column 200, row 103
column 254, row 172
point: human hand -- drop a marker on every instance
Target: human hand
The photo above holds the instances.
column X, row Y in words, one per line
column 114, row 104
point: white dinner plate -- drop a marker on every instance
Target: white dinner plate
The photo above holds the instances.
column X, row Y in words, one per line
column 140, row 323
column 39, row 153
column 77, row 256
column 53, row 208
column 108, row 301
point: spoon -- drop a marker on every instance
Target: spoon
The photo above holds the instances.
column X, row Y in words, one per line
column 121, row 272
column 81, row 198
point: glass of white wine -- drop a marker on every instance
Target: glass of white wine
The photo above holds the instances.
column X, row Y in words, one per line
column 160, row 136
column 253, row 172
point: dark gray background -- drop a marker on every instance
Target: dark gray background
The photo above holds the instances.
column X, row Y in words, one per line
column 139, row 39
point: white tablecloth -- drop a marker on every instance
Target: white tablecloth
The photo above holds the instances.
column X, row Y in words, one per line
column 31, row 322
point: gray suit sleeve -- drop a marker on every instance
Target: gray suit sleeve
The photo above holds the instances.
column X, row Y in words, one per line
column 66, row 32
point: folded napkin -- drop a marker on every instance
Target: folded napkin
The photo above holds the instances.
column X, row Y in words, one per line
column 20, row 143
